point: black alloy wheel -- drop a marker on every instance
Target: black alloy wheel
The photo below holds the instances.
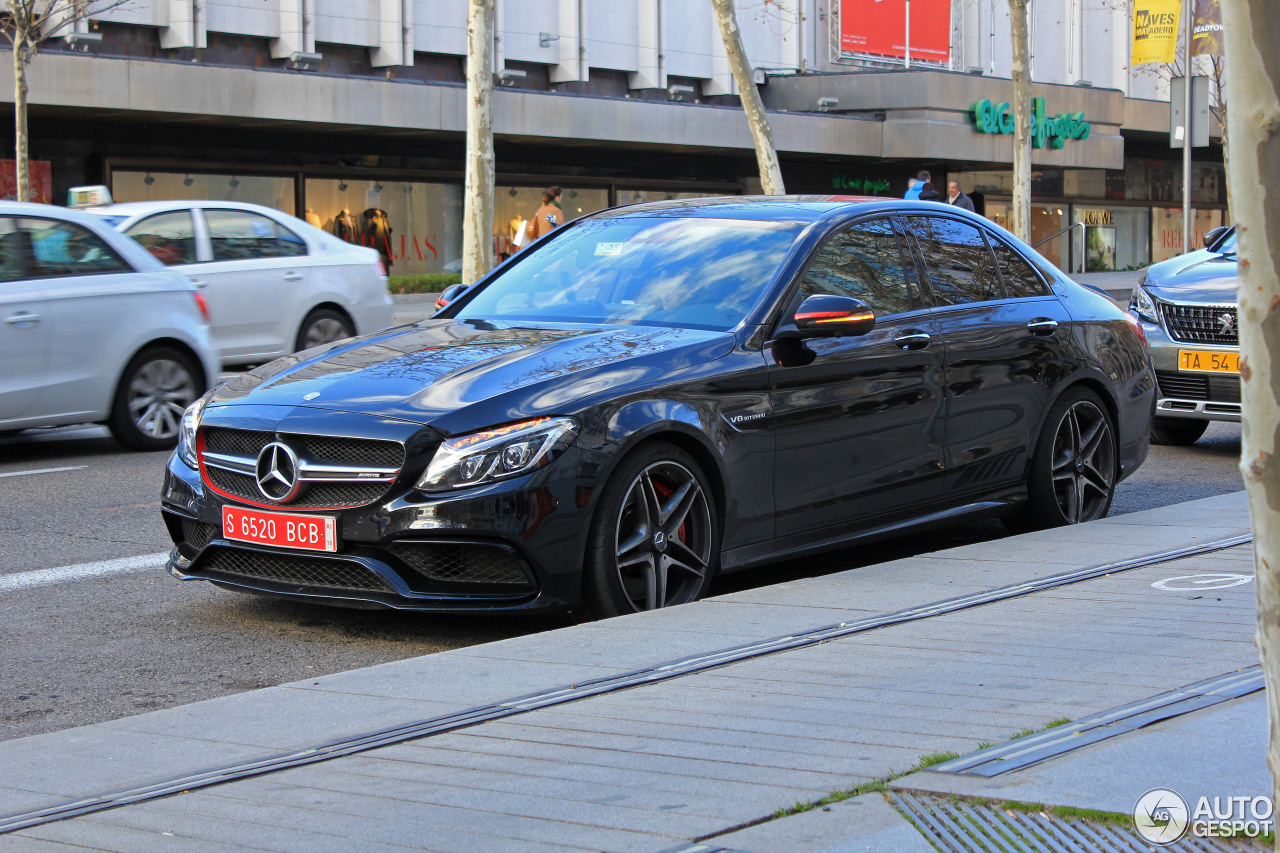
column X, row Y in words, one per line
column 323, row 326
column 1074, row 471
column 654, row 541
column 155, row 389
column 1177, row 432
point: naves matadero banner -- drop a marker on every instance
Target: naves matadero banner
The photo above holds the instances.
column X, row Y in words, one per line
column 879, row 28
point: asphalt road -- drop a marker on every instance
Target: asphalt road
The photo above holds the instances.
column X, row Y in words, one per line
column 78, row 650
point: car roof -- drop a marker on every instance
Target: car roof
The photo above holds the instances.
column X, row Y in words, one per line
column 778, row 208
column 137, row 208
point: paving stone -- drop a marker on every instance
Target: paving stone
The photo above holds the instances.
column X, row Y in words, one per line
column 282, row 718
column 691, row 767
column 397, row 833
column 230, row 830
column 85, row 832
column 865, row 823
column 487, row 816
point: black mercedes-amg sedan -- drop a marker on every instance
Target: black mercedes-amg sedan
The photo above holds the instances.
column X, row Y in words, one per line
column 652, row 395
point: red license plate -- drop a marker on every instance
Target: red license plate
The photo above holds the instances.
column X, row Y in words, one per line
column 284, row 530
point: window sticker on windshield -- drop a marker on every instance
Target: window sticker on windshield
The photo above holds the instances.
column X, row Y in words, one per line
column 609, row 248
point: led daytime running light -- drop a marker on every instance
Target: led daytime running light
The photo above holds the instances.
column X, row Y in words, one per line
column 498, row 453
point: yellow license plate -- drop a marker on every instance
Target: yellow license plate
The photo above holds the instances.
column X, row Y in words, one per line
column 1207, row 361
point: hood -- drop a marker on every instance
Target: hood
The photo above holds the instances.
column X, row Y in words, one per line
column 1200, row 276
column 460, row 375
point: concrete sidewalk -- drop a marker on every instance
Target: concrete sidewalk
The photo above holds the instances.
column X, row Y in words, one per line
column 693, row 726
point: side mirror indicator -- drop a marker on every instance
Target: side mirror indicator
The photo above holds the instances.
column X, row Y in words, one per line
column 834, row 316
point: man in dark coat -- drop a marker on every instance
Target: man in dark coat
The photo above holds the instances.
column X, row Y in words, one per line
column 959, row 199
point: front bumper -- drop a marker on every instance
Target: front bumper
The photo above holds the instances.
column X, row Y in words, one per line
column 517, row 545
column 1191, row 395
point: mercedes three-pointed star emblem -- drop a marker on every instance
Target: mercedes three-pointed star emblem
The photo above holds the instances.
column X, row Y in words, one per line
column 277, row 472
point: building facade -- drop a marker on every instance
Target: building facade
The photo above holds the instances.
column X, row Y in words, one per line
column 328, row 110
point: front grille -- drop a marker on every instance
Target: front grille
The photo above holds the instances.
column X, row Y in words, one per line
column 196, row 535
column 312, row 496
column 295, row 570
column 1201, row 324
column 461, row 562
column 1192, row 386
column 237, row 442
column 356, row 452
column 362, row 452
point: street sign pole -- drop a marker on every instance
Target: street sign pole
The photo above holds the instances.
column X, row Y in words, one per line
column 908, row 38
column 1186, row 133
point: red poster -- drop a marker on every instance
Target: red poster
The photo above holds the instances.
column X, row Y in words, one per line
column 879, row 28
column 39, row 177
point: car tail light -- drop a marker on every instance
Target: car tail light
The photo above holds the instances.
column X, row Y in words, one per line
column 203, row 304
column 1137, row 327
column 382, row 268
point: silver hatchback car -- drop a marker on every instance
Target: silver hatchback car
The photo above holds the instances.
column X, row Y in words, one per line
column 1187, row 306
column 93, row 329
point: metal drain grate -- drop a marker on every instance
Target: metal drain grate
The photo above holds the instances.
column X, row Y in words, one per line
column 974, row 827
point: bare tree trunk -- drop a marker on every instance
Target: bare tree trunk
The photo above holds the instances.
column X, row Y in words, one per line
column 1252, row 31
column 477, row 221
column 761, row 135
column 20, row 117
column 1020, row 215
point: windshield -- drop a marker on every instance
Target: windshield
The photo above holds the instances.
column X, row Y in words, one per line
column 700, row 273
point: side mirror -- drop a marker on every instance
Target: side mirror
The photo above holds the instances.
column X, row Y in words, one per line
column 823, row 316
column 450, row 293
column 1211, row 239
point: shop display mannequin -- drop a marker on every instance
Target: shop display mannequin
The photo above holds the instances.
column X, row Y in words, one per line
column 344, row 226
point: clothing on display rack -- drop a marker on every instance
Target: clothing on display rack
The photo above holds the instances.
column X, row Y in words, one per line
column 378, row 230
column 344, row 226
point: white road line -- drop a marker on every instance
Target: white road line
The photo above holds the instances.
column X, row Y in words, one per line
column 62, row 574
column 43, row 471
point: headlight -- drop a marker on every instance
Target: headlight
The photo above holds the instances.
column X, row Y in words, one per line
column 187, row 432
column 1143, row 305
column 498, row 453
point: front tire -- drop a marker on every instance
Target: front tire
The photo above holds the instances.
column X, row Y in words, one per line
column 1177, row 432
column 655, row 538
column 1073, row 471
column 155, row 389
column 322, row 326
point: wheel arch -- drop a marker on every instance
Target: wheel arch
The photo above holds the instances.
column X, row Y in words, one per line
column 689, row 439
column 175, row 343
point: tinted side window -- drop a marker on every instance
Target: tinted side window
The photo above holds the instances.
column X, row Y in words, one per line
column 1020, row 279
column 863, row 262
column 64, row 248
column 171, row 237
column 238, row 235
column 10, row 250
column 961, row 267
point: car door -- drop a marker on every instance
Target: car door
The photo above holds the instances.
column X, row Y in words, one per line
column 23, row 327
column 1001, row 329
column 858, row 420
column 90, row 304
column 252, row 280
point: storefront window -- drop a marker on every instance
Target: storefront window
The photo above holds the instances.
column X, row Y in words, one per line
column 416, row 227
column 1113, row 238
column 163, row 186
column 1166, row 230
column 514, row 205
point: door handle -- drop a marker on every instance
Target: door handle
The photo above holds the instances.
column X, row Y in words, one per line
column 198, row 283
column 912, row 339
column 1042, row 326
column 292, row 276
column 22, row 319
